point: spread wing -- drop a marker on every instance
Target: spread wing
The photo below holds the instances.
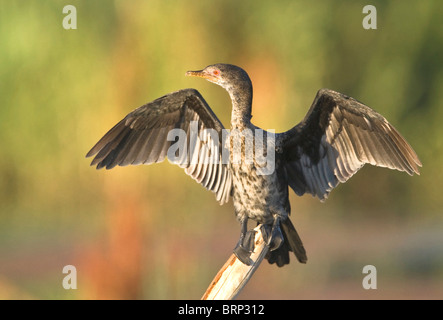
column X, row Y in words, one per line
column 144, row 136
column 337, row 137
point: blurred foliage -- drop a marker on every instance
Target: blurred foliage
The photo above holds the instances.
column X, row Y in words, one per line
column 151, row 232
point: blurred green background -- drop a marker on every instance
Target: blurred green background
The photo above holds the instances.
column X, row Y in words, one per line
column 151, row 232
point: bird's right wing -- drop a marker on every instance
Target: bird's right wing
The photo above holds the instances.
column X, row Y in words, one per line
column 144, row 136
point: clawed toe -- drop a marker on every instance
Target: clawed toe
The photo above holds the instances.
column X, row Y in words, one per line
column 276, row 239
column 273, row 237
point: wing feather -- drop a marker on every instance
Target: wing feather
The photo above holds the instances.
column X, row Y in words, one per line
column 338, row 136
column 141, row 138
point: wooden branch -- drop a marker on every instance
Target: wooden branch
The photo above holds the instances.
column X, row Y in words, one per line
column 234, row 275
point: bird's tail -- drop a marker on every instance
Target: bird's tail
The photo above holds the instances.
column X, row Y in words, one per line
column 292, row 242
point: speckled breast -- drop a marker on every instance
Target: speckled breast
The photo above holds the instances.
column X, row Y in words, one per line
column 256, row 196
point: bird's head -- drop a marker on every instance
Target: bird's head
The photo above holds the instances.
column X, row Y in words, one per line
column 225, row 75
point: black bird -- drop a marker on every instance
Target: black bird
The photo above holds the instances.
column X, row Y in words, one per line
column 334, row 140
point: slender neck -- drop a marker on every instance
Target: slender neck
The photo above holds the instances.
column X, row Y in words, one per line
column 241, row 97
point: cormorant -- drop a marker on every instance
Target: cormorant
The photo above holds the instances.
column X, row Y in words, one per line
column 334, row 140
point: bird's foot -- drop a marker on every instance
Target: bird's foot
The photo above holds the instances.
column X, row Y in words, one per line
column 273, row 236
column 245, row 247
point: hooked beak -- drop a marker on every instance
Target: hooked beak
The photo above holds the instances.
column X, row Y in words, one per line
column 201, row 74
column 194, row 73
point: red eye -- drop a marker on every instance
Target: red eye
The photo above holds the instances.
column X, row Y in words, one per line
column 216, row 72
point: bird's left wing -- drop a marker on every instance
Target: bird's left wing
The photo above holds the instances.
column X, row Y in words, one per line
column 142, row 138
column 337, row 137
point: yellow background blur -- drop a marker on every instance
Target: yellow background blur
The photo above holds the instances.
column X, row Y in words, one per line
column 151, row 232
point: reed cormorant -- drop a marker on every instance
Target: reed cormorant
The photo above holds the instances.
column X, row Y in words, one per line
column 334, row 140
